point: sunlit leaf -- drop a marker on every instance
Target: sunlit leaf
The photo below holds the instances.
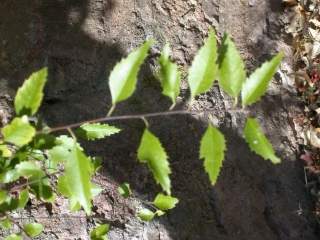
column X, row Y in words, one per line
column 5, row 223
column 100, row 232
column 170, row 77
column 78, row 172
column 29, row 96
column 258, row 142
column 14, row 237
column 164, row 202
column 204, row 68
column 146, row 215
column 98, row 131
column 33, row 229
column 256, row 85
column 231, row 68
column 19, row 132
column 123, row 78
column 151, row 152
column 23, row 198
column 212, row 150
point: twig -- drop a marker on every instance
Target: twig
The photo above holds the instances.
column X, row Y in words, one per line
column 134, row 116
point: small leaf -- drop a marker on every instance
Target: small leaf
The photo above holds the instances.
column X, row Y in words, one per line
column 98, row 131
column 5, row 224
column 33, row 229
column 23, row 198
column 164, row 202
column 160, row 213
column 151, row 152
column 14, row 237
column 19, row 132
column 232, row 72
column 100, row 232
column 146, row 215
column 256, row 85
column 29, row 96
column 170, row 77
column 258, row 142
column 212, row 150
column 204, row 67
column 123, row 78
column 124, row 190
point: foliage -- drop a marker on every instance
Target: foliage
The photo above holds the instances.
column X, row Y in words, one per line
column 53, row 164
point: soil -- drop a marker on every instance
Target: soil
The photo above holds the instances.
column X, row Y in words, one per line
column 81, row 40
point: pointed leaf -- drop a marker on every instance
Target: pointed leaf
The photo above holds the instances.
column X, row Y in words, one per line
column 78, row 172
column 231, row 68
column 204, row 67
column 151, row 152
column 33, row 229
column 256, row 85
column 258, row 142
column 98, row 131
column 100, row 232
column 3, row 195
column 170, row 77
column 29, row 96
column 23, row 198
column 19, row 132
column 123, row 78
column 146, row 215
column 212, row 150
column 164, row 202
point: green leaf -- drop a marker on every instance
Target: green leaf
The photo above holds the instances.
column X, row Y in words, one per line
column 123, row 78
column 29, row 96
column 146, row 215
column 124, row 190
column 78, row 172
column 204, row 67
column 100, row 232
column 151, row 152
column 3, row 195
column 19, row 132
column 60, row 152
column 232, row 72
column 9, row 176
column 212, row 150
column 170, row 77
column 258, row 142
column 164, row 202
column 160, row 213
column 23, row 198
column 5, row 151
column 33, row 229
column 14, row 237
column 5, row 224
column 256, row 85
column 98, row 131
column 30, row 169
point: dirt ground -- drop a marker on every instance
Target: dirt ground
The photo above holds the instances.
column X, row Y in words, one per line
column 81, row 40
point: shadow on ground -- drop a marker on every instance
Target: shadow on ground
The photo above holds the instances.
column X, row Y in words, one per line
column 252, row 200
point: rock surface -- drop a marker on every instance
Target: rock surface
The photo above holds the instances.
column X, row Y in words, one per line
column 81, row 40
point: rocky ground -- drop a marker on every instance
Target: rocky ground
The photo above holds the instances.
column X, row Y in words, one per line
column 81, row 40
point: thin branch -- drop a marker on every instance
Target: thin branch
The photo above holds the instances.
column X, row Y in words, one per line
column 19, row 226
column 134, row 116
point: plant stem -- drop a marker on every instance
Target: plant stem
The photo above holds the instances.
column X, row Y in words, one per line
column 113, row 107
column 134, row 116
